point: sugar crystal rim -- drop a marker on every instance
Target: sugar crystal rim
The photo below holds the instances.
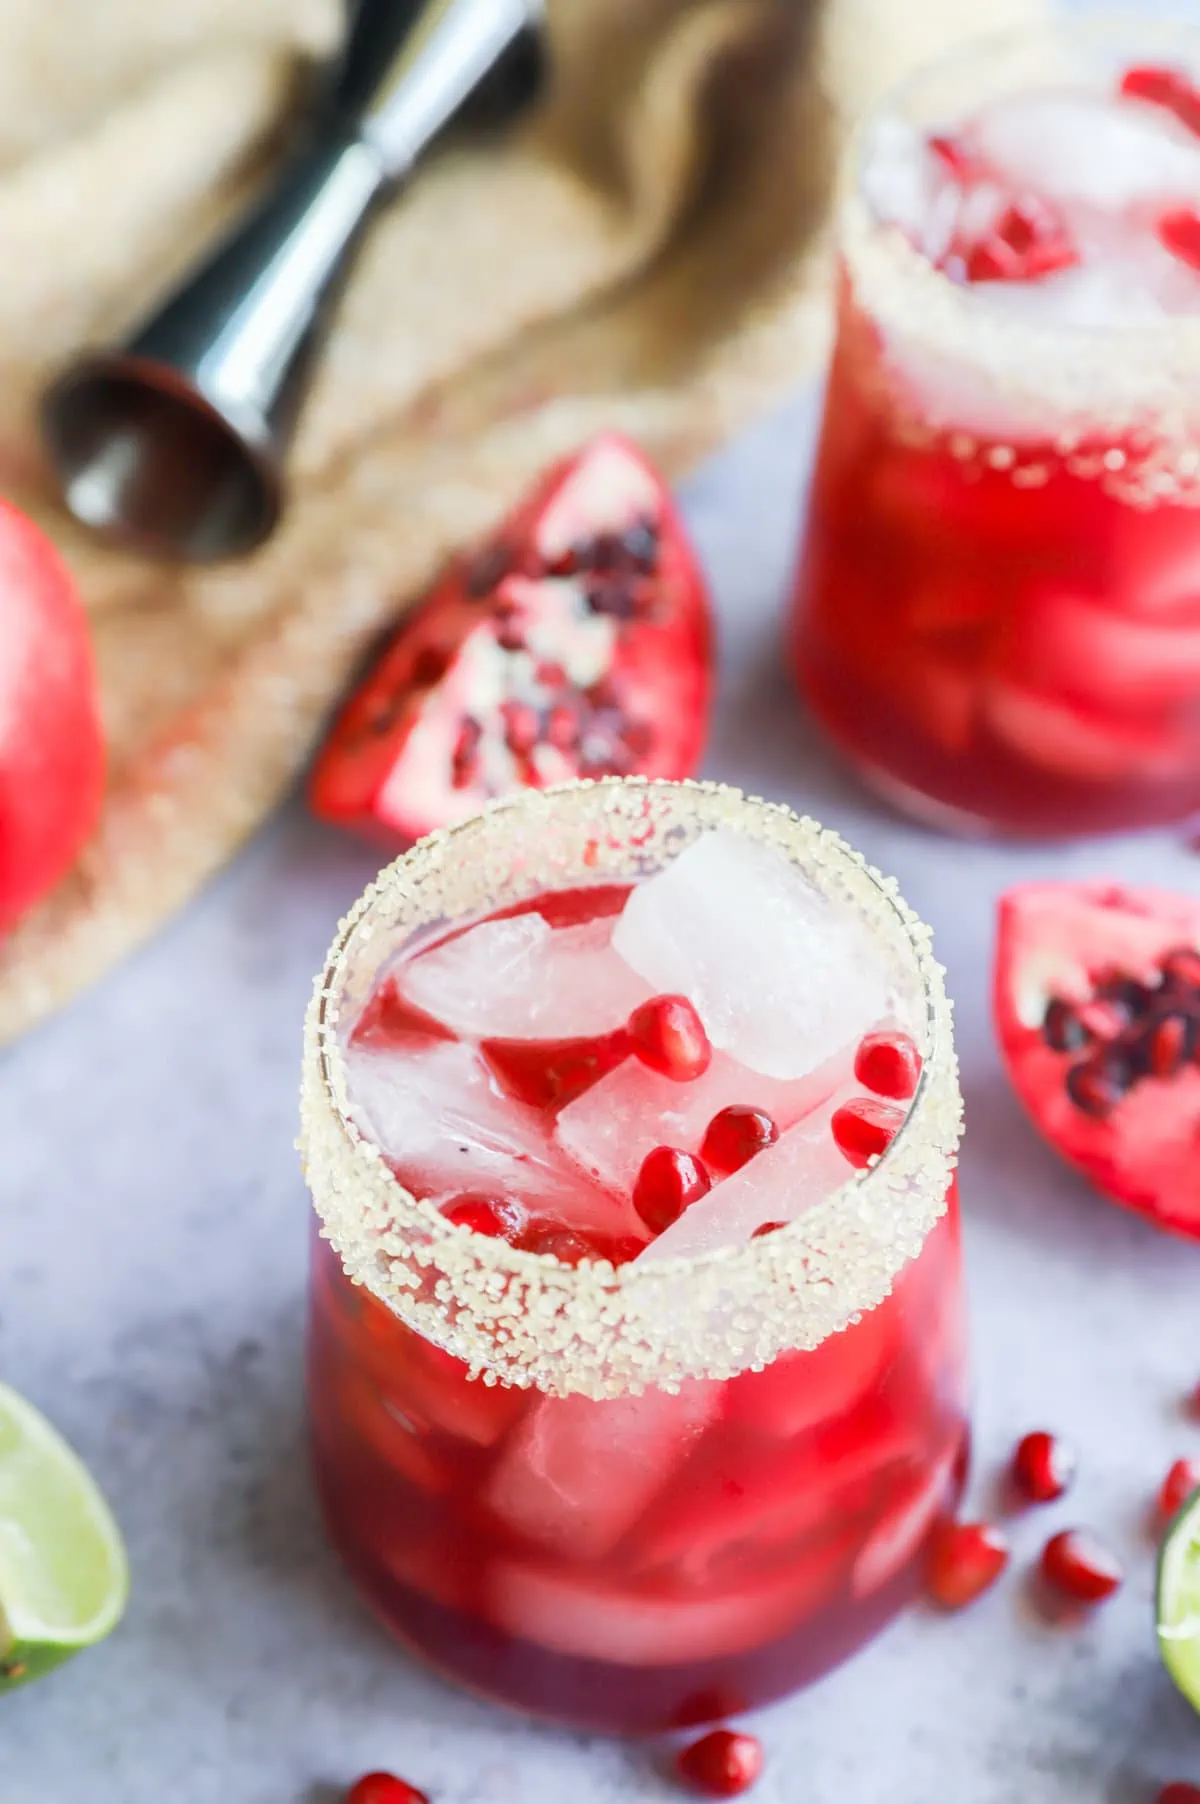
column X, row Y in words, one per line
column 526, row 1318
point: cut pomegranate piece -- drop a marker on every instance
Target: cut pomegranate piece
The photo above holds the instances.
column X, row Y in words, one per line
column 1179, row 1484
column 667, row 1184
column 576, row 643
column 734, row 1136
column 1170, row 88
column 1043, row 1466
column 549, row 1074
column 1087, row 978
column 965, row 1560
column 888, row 1063
column 722, row 1764
column 1079, row 1566
column 384, row 1788
column 668, row 1035
column 865, row 1127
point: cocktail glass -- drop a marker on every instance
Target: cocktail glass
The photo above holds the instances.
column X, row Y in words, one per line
column 631, row 1497
column 997, row 609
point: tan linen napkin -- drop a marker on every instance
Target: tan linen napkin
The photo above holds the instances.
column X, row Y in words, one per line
column 647, row 250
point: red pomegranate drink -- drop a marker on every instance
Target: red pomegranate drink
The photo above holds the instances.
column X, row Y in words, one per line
column 998, row 605
column 636, row 1355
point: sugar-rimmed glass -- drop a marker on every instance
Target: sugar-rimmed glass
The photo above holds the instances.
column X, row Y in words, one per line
column 997, row 611
column 631, row 1498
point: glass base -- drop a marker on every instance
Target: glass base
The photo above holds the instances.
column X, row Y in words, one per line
column 596, row 1695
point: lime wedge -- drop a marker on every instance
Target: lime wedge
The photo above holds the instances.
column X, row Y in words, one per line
column 1179, row 1600
column 64, row 1577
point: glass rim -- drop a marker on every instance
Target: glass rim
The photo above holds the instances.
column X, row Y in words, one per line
column 372, row 1219
column 901, row 286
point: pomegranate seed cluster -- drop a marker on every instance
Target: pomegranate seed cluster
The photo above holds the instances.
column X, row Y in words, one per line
column 1127, row 1032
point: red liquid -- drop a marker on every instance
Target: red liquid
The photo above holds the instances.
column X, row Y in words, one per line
column 641, row 1563
column 1015, row 647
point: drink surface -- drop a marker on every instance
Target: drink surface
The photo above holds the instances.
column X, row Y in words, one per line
column 637, row 1561
column 998, row 607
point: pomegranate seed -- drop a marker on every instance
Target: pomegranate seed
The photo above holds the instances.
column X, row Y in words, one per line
column 734, row 1136
column 491, row 1215
column 1182, row 1479
column 767, row 1227
column 522, row 728
column 1179, row 230
column 1168, row 1044
column 384, row 1788
column 548, row 1074
column 865, row 1127
column 965, row 1560
column 510, row 634
column 1101, row 1020
column 1179, row 1792
column 562, row 727
column 465, row 760
column 1043, row 1466
column 1063, row 1028
column 669, row 1182
column 1164, row 87
column 722, row 1764
column 1081, row 1567
column 889, row 1064
column 1181, row 968
column 668, row 1035
column 1097, row 1085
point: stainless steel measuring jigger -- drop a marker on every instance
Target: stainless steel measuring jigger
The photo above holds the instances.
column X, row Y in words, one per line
column 175, row 441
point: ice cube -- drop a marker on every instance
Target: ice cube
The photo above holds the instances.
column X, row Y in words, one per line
column 612, row 1126
column 585, row 1617
column 781, row 976
column 1108, row 153
column 519, row 978
column 779, row 1184
column 578, row 1473
column 1090, row 295
column 438, row 1118
column 907, row 185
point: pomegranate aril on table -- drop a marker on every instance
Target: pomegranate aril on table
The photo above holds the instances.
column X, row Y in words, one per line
column 1181, row 1481
column 534, row 660
column 384, row 1788
column 1179, row 1791
column 965, row 1560
column 722, row 1764
column 1043, row 1466
column 1078, row 1566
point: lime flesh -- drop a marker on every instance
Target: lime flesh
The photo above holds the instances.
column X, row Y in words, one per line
column 1179, row 1600
column 64, row 1577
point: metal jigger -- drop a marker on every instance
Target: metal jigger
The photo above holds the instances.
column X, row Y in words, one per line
column 175, row 441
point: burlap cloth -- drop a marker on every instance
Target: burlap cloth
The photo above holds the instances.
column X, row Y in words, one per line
column 647, row 251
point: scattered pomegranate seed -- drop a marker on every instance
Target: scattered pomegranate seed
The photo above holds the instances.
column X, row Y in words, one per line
column 384, row 1788
column 668, row 1035
column 1081, row 1567
column 889, row 1064
column 1182, row 1479
column 1179, row 1792
column 1168, row 1044
column 491, row 1215
column 667, row 1184
column 1179, row 230
column 865, row 1127
column 1043, row 1466
column 722, row 1764
column 965, row 1560
column 734, row 1136
column 767, row 1227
